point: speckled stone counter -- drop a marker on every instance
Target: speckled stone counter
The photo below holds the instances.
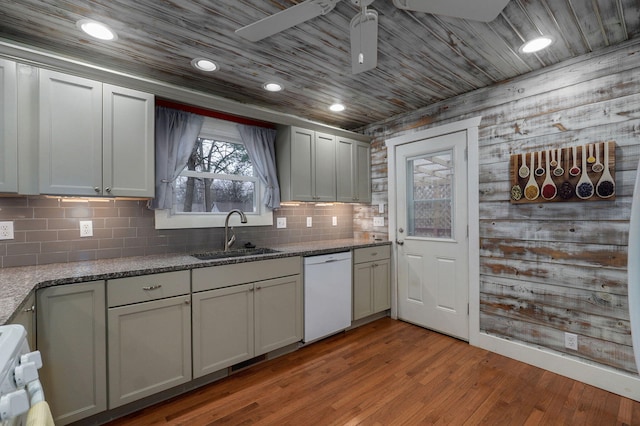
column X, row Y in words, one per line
column 16, row 284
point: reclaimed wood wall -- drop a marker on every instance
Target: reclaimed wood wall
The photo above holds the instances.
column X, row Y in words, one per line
column 550, row 268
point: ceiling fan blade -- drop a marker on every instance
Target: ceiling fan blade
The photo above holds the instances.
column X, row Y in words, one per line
column 475, row 10
column 364, row 41
column 286, row 19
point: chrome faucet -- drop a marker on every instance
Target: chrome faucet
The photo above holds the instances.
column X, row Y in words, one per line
column 229, row 242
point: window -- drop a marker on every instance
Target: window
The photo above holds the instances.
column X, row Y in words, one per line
column 218, row 177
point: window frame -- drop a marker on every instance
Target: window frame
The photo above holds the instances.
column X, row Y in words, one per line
column 224, row 131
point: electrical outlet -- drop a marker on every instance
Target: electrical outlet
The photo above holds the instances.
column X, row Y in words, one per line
column 309, row 221
column 86, row 228
column 6, row 230
column 378, row 221
column 571, row 341
column 334, row 221
column 281, row 222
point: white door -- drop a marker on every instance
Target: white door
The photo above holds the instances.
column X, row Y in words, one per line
column 432, row 233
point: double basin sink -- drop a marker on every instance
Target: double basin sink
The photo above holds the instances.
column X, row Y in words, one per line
column 220, row 254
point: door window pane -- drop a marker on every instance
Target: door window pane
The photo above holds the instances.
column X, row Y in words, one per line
column 429, row 195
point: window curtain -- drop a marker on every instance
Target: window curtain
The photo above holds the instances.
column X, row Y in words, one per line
column 176, row 135
column 260, row 144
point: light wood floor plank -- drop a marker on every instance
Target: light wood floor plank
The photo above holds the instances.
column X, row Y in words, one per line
column 392, row 373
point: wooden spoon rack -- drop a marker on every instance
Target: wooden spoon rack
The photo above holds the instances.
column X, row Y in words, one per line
column 595, row 186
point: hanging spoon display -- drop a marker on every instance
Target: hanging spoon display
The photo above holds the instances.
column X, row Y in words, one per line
column 531, row 190
column 549, row 189
column 574, row 170
column 584, row 188
column 606, row 187
column 597, row 167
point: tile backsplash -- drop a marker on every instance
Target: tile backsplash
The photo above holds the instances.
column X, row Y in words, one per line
column 47, row 230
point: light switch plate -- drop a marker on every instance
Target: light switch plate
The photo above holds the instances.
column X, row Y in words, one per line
column 86, row 228
column 309, row 221
column 381, row 208
column 334, row 221
column 6, row 230
column 281, row 222
column 378, row 221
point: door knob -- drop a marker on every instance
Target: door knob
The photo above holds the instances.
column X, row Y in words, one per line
column 399, row 242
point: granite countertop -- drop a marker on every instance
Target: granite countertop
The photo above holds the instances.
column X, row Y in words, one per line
column 16, row 284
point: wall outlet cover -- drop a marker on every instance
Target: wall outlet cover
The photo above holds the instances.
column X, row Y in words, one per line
column 378, row 221
column 309, row 221
column 86, row 228
column 334, row 221
column 6, row 230
column 571, row 341
column 281, row 222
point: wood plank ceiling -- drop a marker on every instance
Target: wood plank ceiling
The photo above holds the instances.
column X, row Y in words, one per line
column 422, row 58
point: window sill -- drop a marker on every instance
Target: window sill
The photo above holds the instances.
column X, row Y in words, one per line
column 164, row 220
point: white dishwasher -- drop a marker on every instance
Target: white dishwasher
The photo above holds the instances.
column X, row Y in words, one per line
column 327, row 295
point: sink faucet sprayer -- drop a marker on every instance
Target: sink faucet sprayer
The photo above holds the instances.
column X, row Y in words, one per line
column 228, row 242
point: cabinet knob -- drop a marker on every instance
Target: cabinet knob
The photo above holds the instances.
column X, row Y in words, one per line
column 258, row 288
column 108, row 189
column 32, row 308
column 95, row 188
column 187, row 302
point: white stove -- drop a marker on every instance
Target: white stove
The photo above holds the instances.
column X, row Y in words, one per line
column 19, row 383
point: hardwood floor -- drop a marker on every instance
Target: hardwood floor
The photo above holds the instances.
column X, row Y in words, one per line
column 392, row 373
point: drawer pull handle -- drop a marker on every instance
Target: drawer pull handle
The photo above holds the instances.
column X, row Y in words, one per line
column 152, row 287
column 375, row 253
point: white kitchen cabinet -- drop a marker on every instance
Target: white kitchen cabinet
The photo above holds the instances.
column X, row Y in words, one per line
column 306, row 164
column 71, row 336
column 371, row 281
column 8, row 127
column 95, row 138
column 244, row 310
column 353, row 170
column 149, row 335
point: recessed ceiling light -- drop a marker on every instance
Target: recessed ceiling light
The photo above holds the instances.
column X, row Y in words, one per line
column 337, row 107
column 536, row 44
column 272, row 86
column 204, row 64
column 97, row 29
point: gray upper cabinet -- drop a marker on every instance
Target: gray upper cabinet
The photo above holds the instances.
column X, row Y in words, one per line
column 306, row 165
column 95, row 138
column 353, row 170
column 8, row 127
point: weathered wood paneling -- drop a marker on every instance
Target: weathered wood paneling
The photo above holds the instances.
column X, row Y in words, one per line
column 546, row 269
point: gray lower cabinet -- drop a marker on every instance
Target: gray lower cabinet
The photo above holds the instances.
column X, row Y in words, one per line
column 238, row 314
column 72, row 340
column 371, row 281
column 149, row 335
column 26, row 317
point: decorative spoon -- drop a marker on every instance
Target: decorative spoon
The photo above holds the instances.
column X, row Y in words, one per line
column 559, row 171
column 539, row 171
column 606, row 187
column 597, row 166
column 549, row 189
column 553, row 162
column 591, row 159
column 584, row 188
column 524, row 170
column 531, row 190
column 574, row 170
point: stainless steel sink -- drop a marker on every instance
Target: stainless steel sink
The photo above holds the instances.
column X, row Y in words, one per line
column 219, row 254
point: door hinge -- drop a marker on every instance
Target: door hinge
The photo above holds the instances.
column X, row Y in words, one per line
column 468, row 312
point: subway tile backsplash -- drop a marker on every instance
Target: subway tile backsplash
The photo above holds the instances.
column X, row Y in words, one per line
column 47, row 230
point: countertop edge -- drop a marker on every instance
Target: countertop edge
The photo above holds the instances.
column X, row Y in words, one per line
column 17, row 284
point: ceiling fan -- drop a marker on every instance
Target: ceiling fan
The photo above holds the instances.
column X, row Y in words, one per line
column 364, row 26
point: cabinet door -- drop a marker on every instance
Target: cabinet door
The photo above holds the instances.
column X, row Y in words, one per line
column 345, row 172
column 324, row 164
column 8, row 127
column 128, row 142
column 70, row 134
column 362, row 172
column 149, row 348
column 362, row 290
column 71, row 338
column 278, row 313
column 26, row 317
column 381, row 285
column 302, row 167
column 222, row 328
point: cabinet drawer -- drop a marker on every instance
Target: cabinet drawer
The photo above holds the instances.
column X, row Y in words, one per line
column 368, row 254
column 122, row 291
column 242, row 273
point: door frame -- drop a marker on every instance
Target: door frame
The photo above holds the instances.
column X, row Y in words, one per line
column 471, row 127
